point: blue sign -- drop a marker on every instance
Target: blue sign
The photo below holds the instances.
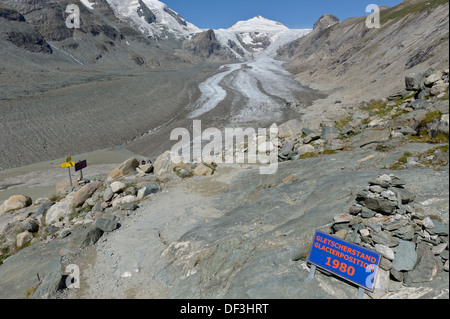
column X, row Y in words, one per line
column 346, row 260
column 80, row 165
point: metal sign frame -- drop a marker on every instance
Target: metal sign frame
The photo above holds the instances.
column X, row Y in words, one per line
column 330, row 266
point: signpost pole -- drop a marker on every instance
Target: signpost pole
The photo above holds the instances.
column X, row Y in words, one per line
column 360, row 293
column 312, row 272
column 70, row 177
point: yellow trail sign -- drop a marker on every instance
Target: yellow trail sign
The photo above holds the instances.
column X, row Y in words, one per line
column 68, row 164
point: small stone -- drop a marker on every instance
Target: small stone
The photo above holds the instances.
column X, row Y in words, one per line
column 117, row 187
column 108, row 194
column 446, row 266
column 23, row 238
column 427, row 222
column 364, row 232
column 341, row 233
column 439, row 228
column 106, row 225
column 387, row 252
column 203, row 170
column 354, row 210
column 384, row 238
column 306, row 149
column 367, row 213
column 31, row 225
column 147, row 168
column 437, row 250
column 385, row 178
column 405, row 256
column 376, row 189
column 343, row 218
column 147, row 190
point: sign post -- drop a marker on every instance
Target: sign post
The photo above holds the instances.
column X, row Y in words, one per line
column 79, row 167
column 344, row 259
column 68, row 164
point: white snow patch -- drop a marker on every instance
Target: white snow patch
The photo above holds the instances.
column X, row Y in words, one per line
column 88, row 4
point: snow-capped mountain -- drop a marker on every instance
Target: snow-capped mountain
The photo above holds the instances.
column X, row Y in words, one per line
column 151, row 17
column 245, row 38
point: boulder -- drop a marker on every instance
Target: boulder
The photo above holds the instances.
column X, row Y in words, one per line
column 426, row 267
column 443, row 125
column 163, row 164
column 430, row 80
column 147, row 168
column 414, row 81
column 106, row 225
column 129, row 166
column 14, row 203
column 116, row 173
column 203, row 170
column 335, row 145
column 31, row 225
column 147, row 190
column 125, row 168
column 23, row 238
column 290, row 129
column 108, row 194
column 59, row 211
column 124, row 200
column 405, row 256
column 85, row 192
column 117, row 187
column 304, row 149
column 330, row 132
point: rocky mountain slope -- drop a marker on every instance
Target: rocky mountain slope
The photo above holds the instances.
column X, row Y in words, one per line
column 350, row 60
column 381, row 185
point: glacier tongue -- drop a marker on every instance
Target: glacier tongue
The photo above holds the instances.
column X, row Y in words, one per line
column 258, row 35
column 262, row 87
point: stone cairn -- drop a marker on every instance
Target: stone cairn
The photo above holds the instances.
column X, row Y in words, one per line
column 414, row 247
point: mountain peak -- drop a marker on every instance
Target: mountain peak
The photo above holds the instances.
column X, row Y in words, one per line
column 258, row 23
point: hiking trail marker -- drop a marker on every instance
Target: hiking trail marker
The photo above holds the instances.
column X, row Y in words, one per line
column 79, row 167
column 68, row 164
column 344, row 259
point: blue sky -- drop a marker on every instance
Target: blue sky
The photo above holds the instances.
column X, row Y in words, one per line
column 293, row 13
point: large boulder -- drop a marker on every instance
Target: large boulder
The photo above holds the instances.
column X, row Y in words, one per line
column 414, row 81
column 59, row 211
column 14, row 203
column 163, row 164
column 125, row 168
column 290, row 129
column 85, row 192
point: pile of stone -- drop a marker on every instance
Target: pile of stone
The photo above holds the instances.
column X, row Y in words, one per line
column 89, row 207
column 414, row 247
column 428, row 83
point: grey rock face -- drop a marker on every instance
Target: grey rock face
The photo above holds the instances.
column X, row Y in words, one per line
column 325, row 21
column 405, row 256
